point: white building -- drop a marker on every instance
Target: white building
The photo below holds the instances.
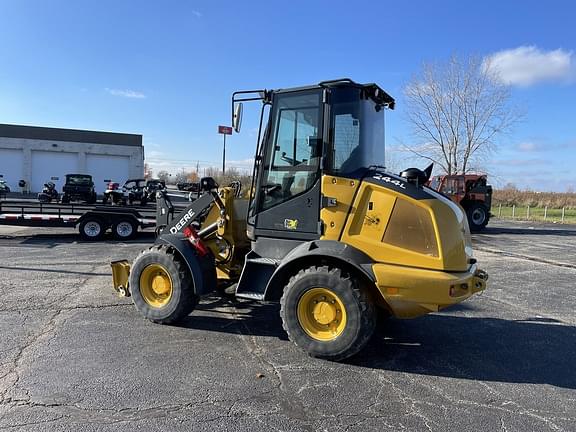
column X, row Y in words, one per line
column 38, row 154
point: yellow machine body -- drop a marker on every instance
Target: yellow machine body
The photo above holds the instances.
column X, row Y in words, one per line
column 120, row 276
column 229, row 243
column 420, row 247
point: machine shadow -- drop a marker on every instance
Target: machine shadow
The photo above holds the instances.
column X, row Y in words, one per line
column 51, row 240
column 552, row 231
column 48, row 270
column 228, row 315
column 532, row 351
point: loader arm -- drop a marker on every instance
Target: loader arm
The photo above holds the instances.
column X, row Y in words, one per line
column 169, row 223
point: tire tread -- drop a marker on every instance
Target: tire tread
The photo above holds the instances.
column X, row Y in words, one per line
column 367, row 316
column 188, row 299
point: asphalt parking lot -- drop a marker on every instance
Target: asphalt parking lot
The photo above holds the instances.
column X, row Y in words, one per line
column 73, row 356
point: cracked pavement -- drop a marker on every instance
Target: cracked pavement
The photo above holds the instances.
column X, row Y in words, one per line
column 74, row 356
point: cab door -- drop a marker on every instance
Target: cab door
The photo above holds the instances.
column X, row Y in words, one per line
column 288, row 193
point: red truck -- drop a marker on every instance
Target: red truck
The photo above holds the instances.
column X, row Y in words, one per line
column 471, row 191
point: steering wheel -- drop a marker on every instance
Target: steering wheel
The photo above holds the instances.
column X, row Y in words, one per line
column 271, row 188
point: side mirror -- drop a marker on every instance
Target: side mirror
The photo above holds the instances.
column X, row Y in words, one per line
column 237, row 118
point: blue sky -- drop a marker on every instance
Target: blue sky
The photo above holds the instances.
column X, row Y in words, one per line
column 167, row 69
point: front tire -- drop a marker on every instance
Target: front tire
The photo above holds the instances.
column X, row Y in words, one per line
column 478, row 216
column 161, row 286
column 326, row 314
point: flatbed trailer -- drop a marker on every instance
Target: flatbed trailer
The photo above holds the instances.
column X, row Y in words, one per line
column 92, row 220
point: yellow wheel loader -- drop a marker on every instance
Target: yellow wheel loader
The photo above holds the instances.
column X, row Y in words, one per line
column 324, row 229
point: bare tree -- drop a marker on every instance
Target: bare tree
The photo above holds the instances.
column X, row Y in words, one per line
column 232, row 174
column 457, row 110
column 148, row 173
column 181, row 176
column 164, row 176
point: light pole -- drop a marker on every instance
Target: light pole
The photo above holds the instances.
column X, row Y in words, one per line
column 224, row 156
column 224, row 130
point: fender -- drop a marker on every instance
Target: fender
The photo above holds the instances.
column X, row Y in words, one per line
column 314, row 252
column 202, row 269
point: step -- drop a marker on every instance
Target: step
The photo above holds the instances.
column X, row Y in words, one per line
column 250, row 295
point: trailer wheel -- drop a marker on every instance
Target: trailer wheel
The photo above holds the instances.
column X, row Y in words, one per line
column 326, row 314
column 92, row 229
column 478, row 215
column 124, row 229
column 161, row 286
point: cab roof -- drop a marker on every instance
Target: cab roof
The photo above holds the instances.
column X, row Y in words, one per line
column 373, row 91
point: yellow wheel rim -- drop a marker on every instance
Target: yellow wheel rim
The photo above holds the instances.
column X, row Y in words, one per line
column 156, row 285
column 321, row 314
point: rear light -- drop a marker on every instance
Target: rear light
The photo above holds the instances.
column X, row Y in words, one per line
column 192, row 236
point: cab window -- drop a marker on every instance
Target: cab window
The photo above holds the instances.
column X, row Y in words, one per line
column 294, row 150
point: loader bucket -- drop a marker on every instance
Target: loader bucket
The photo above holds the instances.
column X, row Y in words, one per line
column 120, row 274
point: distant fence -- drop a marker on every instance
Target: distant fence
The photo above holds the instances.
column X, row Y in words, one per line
column 546, row 214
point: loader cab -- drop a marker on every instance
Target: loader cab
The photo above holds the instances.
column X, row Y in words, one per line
column 335, row 128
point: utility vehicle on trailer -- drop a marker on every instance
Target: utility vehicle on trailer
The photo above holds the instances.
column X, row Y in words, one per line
column 325, row 230
column 79, row 187
column 4, row 188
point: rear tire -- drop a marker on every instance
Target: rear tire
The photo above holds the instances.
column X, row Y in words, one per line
column 124, row 229
column 161, row 286
column 92, row 229
column 326, row 314
column 478, row 216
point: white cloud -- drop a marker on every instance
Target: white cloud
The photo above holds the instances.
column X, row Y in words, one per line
column 131, row 94
column 197, row 14
column 527, row 65
column 528, row 147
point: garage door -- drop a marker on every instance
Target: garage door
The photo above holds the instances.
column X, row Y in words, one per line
column 12, row 167
column 46, row 165
column 107, row 167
